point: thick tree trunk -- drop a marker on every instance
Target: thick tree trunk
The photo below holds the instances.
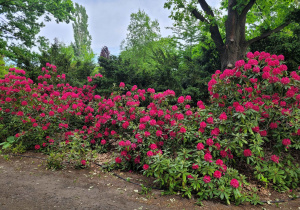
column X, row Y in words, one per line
column 232, row 52
column 235, row 45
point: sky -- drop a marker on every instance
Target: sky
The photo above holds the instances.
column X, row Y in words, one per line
column 109, row 19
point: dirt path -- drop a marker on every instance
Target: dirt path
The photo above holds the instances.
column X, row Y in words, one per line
column 26, row 184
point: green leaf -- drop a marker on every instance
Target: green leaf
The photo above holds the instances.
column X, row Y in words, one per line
column 11, row 139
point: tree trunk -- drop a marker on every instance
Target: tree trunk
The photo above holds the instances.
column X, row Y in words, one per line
column 235, row 44
column 232, row 52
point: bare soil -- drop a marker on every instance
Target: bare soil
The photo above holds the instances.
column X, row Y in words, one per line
column 26, row 183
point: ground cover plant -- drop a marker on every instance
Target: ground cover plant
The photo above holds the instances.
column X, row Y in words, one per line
column 251, row 125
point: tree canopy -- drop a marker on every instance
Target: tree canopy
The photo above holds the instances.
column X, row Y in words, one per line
column 286, row 42
column 142, row 33
column 141, row 30
column 19, row 20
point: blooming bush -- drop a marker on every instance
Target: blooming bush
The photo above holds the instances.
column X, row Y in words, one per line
column 262, row 100
column 253, row 120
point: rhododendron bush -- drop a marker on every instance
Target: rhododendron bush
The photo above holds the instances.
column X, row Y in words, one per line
column 252, row 124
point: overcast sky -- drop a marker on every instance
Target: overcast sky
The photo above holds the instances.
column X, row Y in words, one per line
column 108, row 21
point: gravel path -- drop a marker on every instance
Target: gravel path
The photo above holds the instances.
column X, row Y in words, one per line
column 26, row 184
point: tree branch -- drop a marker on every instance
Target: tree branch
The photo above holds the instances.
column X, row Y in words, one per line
column 213, row 28
column 247, row 8
column 199, row 16
column 206, row 8
column 268, row 33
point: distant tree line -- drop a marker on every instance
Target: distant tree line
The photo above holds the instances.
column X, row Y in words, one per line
column 183, row 62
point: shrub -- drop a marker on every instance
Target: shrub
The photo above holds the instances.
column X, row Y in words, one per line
column 262, row 100
column 252, row 123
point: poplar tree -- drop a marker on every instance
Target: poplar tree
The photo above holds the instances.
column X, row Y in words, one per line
column 82, row 37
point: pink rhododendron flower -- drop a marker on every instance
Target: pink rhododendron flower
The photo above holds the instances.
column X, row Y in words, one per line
column 273, row 125
column 286, row 142
column 158, row 133
column 150, row 153
column 8, row 99
column 83, row 162
column 206, row 179
column 285, row 80
column 255, row 129
column 217, row 174
column 223, row 153
column 182, row 130
column 275, row 158
column 215, row 132
column 145, row 167
column 218, row 146
column 180, row 99
column 188, row 97
column 153, row 146
column 219, row 162
column 263, row 133
column 124, row 153
column 223, row 116
column 203, row 125
column 125, row 124
column 195, row 166
column 247, row 153
column 174, row 108
column 234, row 183
column 152, row 122
column 118, row 160
column 137, row 160
column 122, row 143
column 210, row 120
column 209, row 142
column 147, row 133
column 239, row 108
column 189, row 177
column 24, row 103
column 207, row 157
column 122, row 85
column 200, row 146
column 142, row 126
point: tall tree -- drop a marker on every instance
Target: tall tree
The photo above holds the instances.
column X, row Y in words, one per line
column 234, row 32
column 142, row 32
column 19, row 20
column 82, row 37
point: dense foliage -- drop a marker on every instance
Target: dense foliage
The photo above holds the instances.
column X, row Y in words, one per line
column 236, row 24
column 252, row 123
column 286, row 42
column 19, row 22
